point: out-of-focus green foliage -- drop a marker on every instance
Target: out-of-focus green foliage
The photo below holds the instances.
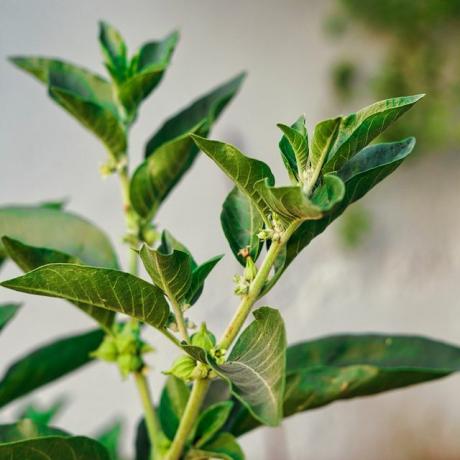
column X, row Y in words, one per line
column 421, row 38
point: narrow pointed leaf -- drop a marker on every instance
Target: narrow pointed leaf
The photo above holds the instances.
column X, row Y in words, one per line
column 47, row 364
column 101, row 287
column 199, row 276
column 296, row 138
column 29, row 258
column 168, row 244
column 172, row 273
column 110, row 438
column 324, row 137
column 114, row 49
column 255, row 367
column 358, row 129
column 211, row 421
column 54, row 448
column 245, row 172
column 43, row 415
column 241, row 222
column 7, row 313
column 224, row 446
column 59, row 230
column 142, row 442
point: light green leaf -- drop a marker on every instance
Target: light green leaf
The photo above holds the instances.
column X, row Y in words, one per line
column 172, row 273
column 110, row 438
column 173, row 400
column 114, row 50
column 224, row 446
column 101, row 287
column 47, row 364
column 324, row 137
column 294, row 146
column 26, row 429
column 43, row 415
column 255, row 367
column 245, row 172
column 7, row 313
column 211, row 421
column 241, row 222
column 358, row 129
column 31, row 257
column 54, row 448
column 59, row 230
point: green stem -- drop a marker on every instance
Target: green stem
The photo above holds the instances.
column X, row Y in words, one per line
column 255, row 288
column 150, row 416
column 200, row 387
column 179, row 315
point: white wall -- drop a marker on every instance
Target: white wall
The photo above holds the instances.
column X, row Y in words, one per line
column 405, row 278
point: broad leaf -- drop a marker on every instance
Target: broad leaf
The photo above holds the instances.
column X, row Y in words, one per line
column 110, row 438
column 173, row 400
column 47, row 364
column 211, row 421
column 255, row 367
column 245, row 172
column 241, row 222
column 7, row 313
column 30, row 257
column 101, row 287
column 60, row 230
column 27, row 429
column 294, row 147
column 54, row 448
column 358, row 129
column 114, row 49
column 223, row 446
column 172, row 273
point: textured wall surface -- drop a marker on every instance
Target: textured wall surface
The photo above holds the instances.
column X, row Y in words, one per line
column 403, row 279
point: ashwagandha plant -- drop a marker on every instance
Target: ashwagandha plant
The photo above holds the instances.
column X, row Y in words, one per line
column 217, row 389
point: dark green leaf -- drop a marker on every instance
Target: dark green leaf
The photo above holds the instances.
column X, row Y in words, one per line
column 30, row 257
column 60, row 230
column 54, row 448
column 114, row 49
column 358, row 129
column 48, row 363
column 43, row 415
column 169, row 244
column 245, row 172
column 101, row 287
column 224, row 446
column 142, row 442
column 199, row 276
column 26, row 429
column 110, row 438
column 241, row 222
column 7, row 313
column 255, row 367
column 173, row 400
column 294, row 146
column 211, row 421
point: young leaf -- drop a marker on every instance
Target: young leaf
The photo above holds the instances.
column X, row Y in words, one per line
column 101, row 287
column 211, row 421
column 114, row 49
column 294, row 146
column 48, row 363
column 173, row 400
column 245, row 172
column 60, row 230
column 223, row 446
column 43, row 415
column 358, row 129
column 7, row 313
column 199, row 276
column 241, row 222
column 27, row 429
column 168, row 244
column 255, row 367
column 110, row 438
column 30, row 257
column 54, row 448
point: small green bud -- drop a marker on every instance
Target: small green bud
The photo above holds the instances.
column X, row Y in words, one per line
column 189, row 324
column 218, row 354
column 129, row 363
column 107, row 350
column 204, row 338
column 108, row 168
column 265, row 234
column 241, row 285
column 250, row 271
column 182, row 368
column 200, row 371
column 149, row 234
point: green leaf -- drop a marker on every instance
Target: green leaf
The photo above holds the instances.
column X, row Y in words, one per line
column 358, row 129
column 172, row 273
column 26, row 429
column 173, row 400
column 101, row 287
column 59, row 230
column 361, row 174
column 168, row 244
column 54, row 448
column 255, row 367
column 110, row 438
column 114, row 49
column 294, row 146
column 211, row 421
column 43, row 415
column 142, row 442
column 7, row 313
column 48, row 363
column 245, row 172
column 224, row 446
column 241, row 222
column 324, row 137
column 199, row 276
column 30, row 257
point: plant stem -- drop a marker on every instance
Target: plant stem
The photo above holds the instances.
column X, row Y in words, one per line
column 255, row 288
column 150, row 416
column 179, row 318
column 191, row 412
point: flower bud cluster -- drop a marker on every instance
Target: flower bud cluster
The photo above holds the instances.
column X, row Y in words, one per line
column 243, row 282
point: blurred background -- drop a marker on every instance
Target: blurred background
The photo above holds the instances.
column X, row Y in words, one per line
column 390, row 264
